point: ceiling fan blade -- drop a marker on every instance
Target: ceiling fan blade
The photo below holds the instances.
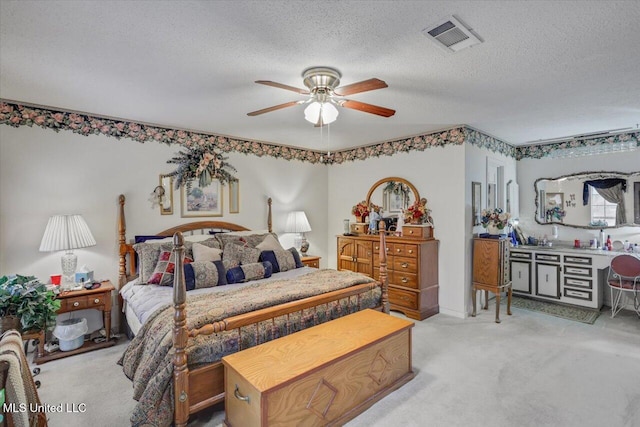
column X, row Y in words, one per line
column 274, row 108
column 363, row 86
column 367, row 108
column 283, row 86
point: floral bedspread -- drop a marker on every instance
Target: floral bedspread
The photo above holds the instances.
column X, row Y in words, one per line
column 148, row 359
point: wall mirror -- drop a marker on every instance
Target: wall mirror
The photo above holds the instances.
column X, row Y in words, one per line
column 393, row 194
column 166, row 204
column 589, row 200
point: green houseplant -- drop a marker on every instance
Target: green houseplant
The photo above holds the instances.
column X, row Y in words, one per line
column 26, row 298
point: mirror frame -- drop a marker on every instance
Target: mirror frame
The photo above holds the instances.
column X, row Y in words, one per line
column 592, row 175
column 395, row 179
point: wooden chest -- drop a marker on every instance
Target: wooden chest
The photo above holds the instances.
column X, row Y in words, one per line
column 417, row 231
column 324, row 375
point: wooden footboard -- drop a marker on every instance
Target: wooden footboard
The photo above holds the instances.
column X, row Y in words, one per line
column 203, row 387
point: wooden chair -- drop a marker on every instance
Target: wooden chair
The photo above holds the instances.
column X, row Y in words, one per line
column 624, row 277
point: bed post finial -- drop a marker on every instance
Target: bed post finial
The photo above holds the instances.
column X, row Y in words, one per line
column 180, row 336
column 384, row 279
column 269, row 225
column 122, row 229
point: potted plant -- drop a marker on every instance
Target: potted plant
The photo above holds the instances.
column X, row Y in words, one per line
column 27, row 300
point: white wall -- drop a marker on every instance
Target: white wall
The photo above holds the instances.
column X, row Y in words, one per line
column 438, row 175
column 476, row 170
column 531, row 169
column 44, row 173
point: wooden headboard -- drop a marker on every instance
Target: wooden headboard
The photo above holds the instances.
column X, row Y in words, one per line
column 127, row 270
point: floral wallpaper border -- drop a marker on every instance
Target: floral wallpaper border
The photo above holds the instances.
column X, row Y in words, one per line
column 544, row 150
column 19, row 114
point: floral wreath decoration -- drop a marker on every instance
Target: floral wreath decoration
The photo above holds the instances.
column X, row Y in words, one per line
column 201, row 163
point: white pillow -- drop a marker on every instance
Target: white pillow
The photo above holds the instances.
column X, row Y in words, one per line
column 270, row 243
column 198, row 237
column 205, row 253
column 246, row 232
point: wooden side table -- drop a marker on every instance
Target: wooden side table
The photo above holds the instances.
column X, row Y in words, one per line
column 311, row 261
column 99, row 299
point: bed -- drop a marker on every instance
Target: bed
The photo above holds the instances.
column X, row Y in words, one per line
column 174, row 359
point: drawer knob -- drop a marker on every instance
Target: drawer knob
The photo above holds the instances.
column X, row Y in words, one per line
column 405, row 280
column 405, row 265
column 96, row 301
column 410, row 231
column 410, row 251
column 76, row 304
column 238, row 396
column 398, row 250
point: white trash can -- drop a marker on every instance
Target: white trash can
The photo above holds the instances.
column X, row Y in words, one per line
column 70, row 333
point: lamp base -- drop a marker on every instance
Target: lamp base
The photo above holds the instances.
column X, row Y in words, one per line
column 304, row 246
column 69, row 264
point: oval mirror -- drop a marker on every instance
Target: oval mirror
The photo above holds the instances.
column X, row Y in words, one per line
column 589, row 200
column 393, row 194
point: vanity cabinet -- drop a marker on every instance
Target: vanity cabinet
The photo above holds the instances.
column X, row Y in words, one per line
column 521, row 272
column 576, row 279
column 412, row 269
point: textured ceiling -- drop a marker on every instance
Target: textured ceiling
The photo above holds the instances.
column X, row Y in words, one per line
column 545, row 70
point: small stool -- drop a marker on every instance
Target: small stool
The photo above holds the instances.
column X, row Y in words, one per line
column 496, row 290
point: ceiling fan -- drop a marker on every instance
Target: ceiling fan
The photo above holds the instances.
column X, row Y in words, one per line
column 324, row 94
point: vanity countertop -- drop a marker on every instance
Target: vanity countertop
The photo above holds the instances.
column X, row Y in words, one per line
column 570, row 249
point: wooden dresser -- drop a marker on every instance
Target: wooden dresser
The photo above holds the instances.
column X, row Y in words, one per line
column 491, row 271
column 324, row 375
column 412, row 266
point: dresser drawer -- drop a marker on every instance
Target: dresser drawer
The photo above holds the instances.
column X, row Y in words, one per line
column 418, row 231
column 573, row 282
column 404, row 250
column 548, row 257
column 520, row 255
column 577, row 271
column 404, row 264
column 403, row 298
column 580, row 260
column 408, row 280
column 576, row 294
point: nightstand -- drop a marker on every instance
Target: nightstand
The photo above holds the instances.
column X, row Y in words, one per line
column 99, row 299
column 311, row 261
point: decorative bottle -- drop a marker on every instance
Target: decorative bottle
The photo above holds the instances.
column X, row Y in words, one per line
column 609, row 246
column 601, row 241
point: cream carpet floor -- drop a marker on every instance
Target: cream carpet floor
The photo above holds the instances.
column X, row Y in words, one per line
column 531, row 370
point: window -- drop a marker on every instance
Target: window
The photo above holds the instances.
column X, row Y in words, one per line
column 601, row 210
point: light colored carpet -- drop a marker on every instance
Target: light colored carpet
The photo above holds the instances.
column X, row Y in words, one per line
column 531, row 370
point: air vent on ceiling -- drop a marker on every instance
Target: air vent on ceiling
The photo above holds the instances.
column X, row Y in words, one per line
column 451, row 35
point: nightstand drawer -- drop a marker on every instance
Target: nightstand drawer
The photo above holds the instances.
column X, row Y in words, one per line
column 77, row 303
column 96, row 300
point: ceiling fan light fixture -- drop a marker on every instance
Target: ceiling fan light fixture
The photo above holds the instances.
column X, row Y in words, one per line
column 316, row 109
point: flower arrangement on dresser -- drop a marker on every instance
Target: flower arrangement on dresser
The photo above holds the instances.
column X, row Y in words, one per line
column 494, row 220
column 361, row 211
column 418, row 213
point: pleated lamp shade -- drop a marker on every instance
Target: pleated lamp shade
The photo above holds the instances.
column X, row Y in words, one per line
column 65, row 233
column 297, row 222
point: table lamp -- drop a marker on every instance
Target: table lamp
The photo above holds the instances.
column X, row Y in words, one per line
column 297, row 223
column 66, row 233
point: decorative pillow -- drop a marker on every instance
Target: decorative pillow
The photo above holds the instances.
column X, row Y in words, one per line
column 149, row 251
column 283, row 260
column 205, row 253
column 242, row 238
column 204, row 274
column 234, row 255
column 270, row 243
column 296, row 257
column 247, row 272
column 163, row 273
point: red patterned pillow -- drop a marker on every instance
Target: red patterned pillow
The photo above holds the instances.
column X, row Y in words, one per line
column 163, row 274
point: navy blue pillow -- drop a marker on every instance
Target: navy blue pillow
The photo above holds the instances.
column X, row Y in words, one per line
column 296, row 257
column 271, row 257
column 140, row 239
column 238, row 275
column 190, row 277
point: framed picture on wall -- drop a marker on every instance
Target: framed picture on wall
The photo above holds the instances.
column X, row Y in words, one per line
column 234, row 196
column 476, row 202
column 197, row 201
column 166, row 205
